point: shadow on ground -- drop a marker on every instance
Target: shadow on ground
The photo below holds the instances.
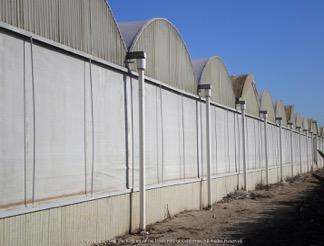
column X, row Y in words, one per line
column 299, row 221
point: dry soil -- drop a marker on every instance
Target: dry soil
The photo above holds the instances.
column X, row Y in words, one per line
column 290, row 213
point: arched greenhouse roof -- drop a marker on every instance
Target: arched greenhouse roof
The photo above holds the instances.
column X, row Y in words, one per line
column 280, row 112
column 244, row 87
column 291, row 115
column 305, row 124
column 321, row 130
column 266, row 104
column 168, row 59
column 214, row 72
column 314, row 127
column 298, row 121
column 87, row 26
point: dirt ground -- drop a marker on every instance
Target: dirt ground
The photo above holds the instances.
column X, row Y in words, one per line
column 291, row 213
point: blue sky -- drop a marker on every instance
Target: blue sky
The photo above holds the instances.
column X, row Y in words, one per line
column 280, row 42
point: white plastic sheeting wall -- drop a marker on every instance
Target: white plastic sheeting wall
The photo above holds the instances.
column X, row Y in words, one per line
column 62, row 125
column 286, row 152
column 12, row 133
column 59, row 165
column 273, row 135
column 69, row 126
column 255, row 145
column 109, row 145
column 224, row 136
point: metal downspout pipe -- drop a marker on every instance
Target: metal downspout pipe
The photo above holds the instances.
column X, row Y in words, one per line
column 141, row 65
column 307, row 158
column 279, row 119
column 312, row 155
column 300, row 154
column 315, row 143
column 291, row 148
column 205, row 90
column 242, row 104
column 264, row 114
column 140, row 58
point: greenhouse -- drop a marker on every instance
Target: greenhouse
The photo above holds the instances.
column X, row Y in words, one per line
column 72, row 136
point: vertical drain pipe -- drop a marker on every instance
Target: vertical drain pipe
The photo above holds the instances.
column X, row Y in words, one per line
column 320, row 144
column 238, row 166
column 307, row 158
column 315, row 142
column 300, row 154
column 205, row 90
column 242, row 104
column 312, row 151
column 279, row 119
column 291, row 148
column 140, row 58
column 264, row 114
column 141, row 65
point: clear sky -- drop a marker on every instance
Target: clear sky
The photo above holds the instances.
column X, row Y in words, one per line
column 280, row 41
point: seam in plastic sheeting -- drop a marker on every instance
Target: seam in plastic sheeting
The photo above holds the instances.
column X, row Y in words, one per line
column 34, row 117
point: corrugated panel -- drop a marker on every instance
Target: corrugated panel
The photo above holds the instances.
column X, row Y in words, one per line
column 78, row 224
column 74, row 24
column 105, row 37
column 84, row 25
column 9, row 11
column 41, row 17
column 112, row 216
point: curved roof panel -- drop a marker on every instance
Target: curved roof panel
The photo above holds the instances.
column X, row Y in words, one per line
column 214, row 71
column 298, row 121
column 315, row 127
column 88, row 26
column 198, row 67
column 167, row 57
column 312, row 126
column 290, row 114
column 130, row 31
column 244, row 87
column 280, row 112
column 305, row 124
column 266, row 104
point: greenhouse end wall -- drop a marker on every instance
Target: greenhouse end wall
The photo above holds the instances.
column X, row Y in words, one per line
column 69, row 147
